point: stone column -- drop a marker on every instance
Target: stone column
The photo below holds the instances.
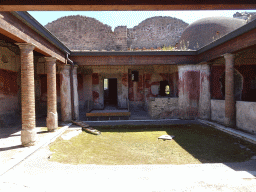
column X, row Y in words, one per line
column 230, row 103
column 28, row 132
column 66, row 114
column 52, row 115
column 205, row 95
column 76, row 101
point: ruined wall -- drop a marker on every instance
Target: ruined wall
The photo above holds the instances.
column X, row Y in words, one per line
column 82, row 33
column 218, row 110
column 246, row 116
column 138, row 93
column 194, row 91
column 85, row 33
column 245, row 77
column 9, row 85
column 148, row 84
column 156, row 32
column 93, row 82
column 163, row 107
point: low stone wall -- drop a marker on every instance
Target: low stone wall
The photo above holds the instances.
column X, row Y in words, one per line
column 246, row 116
column 218, row 110
column 163, row 107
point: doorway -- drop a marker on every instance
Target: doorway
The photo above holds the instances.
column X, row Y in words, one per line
column 110, row 92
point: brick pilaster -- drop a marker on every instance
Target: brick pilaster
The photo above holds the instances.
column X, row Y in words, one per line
column 76, row 101
column 28, row 132
column 65, row 96
column 52, row 115
column 230, row 103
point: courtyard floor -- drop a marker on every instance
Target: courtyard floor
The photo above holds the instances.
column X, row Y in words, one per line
column 36, row 173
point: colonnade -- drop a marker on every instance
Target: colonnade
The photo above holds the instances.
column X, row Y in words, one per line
column 67, row 72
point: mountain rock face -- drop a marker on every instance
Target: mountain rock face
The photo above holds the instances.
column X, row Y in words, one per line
column 85, row 33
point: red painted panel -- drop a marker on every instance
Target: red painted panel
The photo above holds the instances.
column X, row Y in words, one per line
column 125, row 79
column 80, row 81
column 193, row 84
column 95, row 95
column 95, row 78
column 130, row 89
column 8, row 82
column 215, row 84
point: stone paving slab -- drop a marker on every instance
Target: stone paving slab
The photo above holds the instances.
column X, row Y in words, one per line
column 36, row 173
column 12, row 152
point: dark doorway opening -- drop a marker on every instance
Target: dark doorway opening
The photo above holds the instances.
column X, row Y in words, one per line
column 110, row 91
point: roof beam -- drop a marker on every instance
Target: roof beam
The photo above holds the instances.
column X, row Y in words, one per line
column 124, row 5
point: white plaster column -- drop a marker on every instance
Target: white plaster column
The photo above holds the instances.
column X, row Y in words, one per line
column 65, row 96
column 75, row 87
column 230, row 103
column 52, row 115
column 28, row 132
column 205, row 95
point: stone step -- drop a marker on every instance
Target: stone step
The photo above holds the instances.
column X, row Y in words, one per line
column 109, row 114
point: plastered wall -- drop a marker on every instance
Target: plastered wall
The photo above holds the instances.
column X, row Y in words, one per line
column 9, row 82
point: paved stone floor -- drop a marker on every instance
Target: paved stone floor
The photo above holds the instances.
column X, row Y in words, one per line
column 37, row 173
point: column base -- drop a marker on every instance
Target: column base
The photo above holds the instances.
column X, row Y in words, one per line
column 28, row 137
column 52, row 121
column 229, row 123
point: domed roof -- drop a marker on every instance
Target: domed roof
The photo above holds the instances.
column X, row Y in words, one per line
column 206, row 30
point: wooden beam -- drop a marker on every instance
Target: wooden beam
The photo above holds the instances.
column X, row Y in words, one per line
column 124, row 5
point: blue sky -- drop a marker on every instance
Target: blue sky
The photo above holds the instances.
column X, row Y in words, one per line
column 130, row 18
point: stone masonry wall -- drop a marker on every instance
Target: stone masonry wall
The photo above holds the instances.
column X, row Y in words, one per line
column 85, row 33
column 163, row 107
column 156, row 32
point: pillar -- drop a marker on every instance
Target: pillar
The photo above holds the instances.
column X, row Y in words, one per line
column 230, row 103
column 28, row 132
column 52, row 115
column 75, row 86
column 205, row 95
column 189, row 91
column 65, row 96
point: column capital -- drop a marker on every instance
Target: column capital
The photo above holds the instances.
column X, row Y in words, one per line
column 229, row 56
column 26, row 46
column 64, row 66
column 49, row 59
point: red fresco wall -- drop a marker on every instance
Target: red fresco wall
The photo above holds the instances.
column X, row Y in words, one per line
column 8, row 82
column 247, row 71
column 8, row 93
column 43, row 86
column 193, row 84
column 145, row 83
